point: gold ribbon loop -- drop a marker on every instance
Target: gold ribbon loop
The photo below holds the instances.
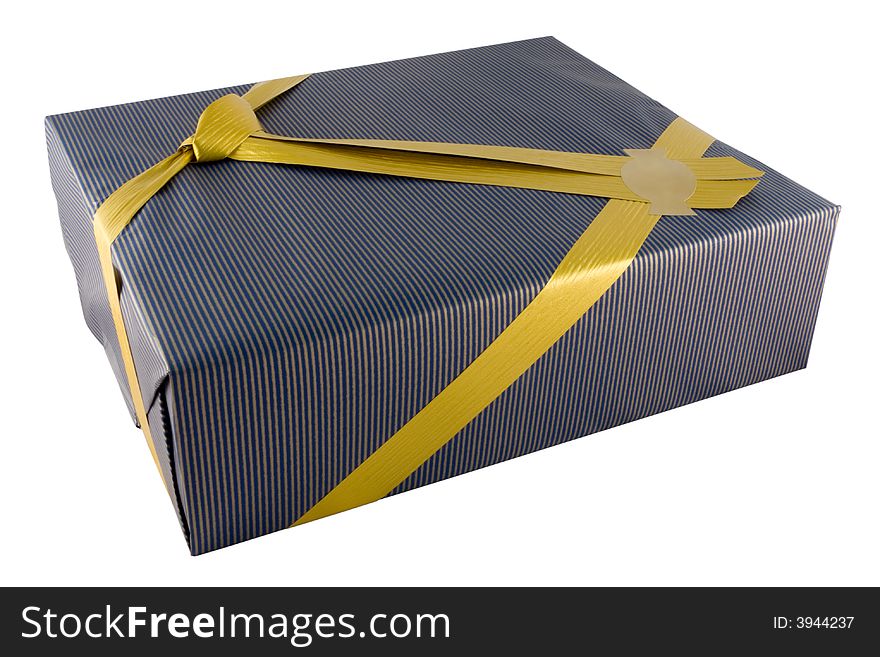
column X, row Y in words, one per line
column 222, row 127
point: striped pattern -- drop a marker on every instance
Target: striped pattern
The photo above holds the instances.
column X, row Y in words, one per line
column 286, row 321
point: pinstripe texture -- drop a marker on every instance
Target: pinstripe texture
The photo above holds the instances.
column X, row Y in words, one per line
column 286, row 321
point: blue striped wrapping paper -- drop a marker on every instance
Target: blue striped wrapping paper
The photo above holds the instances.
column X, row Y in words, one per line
column 285, row 321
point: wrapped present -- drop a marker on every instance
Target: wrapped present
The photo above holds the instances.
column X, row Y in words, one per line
column 322, row 290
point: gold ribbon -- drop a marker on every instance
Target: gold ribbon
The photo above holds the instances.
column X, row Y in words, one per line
column 670, row 178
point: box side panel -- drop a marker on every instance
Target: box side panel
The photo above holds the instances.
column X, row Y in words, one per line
column 76, row 223
column 76, row 215
column 679, row 326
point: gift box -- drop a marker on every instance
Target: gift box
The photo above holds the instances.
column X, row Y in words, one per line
column 415, row 279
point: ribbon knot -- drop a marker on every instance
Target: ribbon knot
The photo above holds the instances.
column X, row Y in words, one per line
column 222, row 128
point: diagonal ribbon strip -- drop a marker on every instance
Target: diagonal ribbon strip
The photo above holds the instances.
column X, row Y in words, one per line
column 599, row 257
column 672, row 177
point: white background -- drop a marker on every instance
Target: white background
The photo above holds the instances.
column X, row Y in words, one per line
column 775, row 484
